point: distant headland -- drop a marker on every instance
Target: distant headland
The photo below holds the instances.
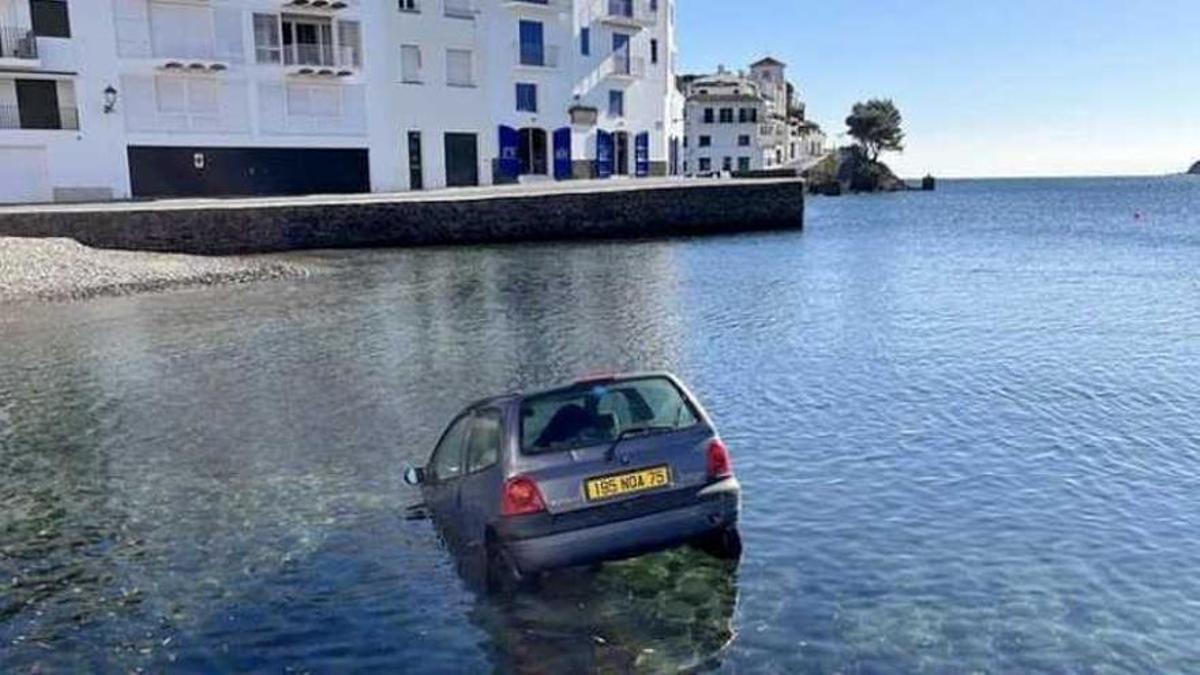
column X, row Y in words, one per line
column 1195, row 170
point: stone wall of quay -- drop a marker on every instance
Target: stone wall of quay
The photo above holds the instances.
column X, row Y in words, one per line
column 671, row 208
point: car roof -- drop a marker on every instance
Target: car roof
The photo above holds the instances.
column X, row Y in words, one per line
column 509, row 398
column 599, row 378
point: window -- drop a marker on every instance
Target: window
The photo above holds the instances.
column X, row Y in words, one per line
column 752, row 114
column 726, row 115
column 705, row 165
column 744, row 140
column 585, row 41
column 743, row 163
column 447, row 457
column 526, row 97
column 595, row 414
column 705, row 141
column 653, row 51
column 267, row 47
column 708, row 115
column 307, row 40
column 685, row 141
column 188, row 102
column 616, row 103
column 727, row 164
column 349, row 44
column 49, row 18
column 531, row 43
column 409, row 6
column 743, row 115
column 483, row 443
column 458, row 68
column 410, row 64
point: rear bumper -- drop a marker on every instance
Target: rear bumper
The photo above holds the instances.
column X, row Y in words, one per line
column 712, row 507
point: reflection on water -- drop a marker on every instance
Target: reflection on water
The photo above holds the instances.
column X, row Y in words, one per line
column 665, row 611
column 967, row 425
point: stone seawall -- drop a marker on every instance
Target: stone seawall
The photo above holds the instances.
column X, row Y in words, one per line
column 645, row 208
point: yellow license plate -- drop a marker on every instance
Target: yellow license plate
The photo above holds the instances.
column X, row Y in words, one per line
column 607, row 487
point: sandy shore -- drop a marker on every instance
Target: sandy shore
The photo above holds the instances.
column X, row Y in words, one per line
column 63, row 269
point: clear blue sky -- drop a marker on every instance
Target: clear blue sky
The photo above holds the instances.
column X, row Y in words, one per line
column 1009, row 88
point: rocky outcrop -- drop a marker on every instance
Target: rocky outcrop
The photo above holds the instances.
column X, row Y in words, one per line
column 1195, row 170
column 850, row 170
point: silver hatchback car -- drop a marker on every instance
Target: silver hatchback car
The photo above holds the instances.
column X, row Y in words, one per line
column 605, row 468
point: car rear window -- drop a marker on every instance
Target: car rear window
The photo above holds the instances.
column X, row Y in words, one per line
column 595, row 413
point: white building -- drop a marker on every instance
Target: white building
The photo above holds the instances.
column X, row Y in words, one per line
column 745, row 121
column 505, row 90
column 112, row 99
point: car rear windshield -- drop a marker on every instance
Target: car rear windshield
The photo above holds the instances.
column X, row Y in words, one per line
column 595, row 413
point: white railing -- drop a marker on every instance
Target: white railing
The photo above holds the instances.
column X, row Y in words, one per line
column 322, row 55
column 641, row 12
column 621, row 64
column 535, row 55
column 459, row 9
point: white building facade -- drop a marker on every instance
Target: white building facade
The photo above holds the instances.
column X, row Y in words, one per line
column 494, row 91
column 116, row 99
column 746, row 122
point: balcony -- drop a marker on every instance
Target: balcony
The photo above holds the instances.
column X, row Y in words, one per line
column 321, row 59
column 536, row 5
column 635, row 14
column 621, row 65
column 534, row 55
column 459, row 9
column 11, row 117
column 18, row 43
column 318, row 5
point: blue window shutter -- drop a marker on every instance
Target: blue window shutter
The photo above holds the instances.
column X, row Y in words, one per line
column 585, row 41
column 641, row 154
column 562, row 153
column 509, row 164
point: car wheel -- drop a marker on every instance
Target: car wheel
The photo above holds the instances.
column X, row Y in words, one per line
column 724, row 543
column 502, row 574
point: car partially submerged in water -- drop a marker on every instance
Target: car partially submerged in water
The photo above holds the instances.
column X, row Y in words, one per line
column 604, row 468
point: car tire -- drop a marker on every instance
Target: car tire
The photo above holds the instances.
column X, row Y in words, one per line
column 503, row 576
column 724, row 543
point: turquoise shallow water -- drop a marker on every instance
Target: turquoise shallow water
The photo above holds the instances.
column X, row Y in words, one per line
column 967, row 423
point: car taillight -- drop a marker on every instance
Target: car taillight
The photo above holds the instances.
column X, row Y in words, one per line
column 521, row 497
column 719, row 463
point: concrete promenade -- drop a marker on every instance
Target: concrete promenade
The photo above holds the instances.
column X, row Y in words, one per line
column 567, row 210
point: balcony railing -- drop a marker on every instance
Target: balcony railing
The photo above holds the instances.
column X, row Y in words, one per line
column 621, row 64
column 66, row 118
column 17, row 43
column 321, row 55
column 536, row 55
column 459, row 9
column 630, row 12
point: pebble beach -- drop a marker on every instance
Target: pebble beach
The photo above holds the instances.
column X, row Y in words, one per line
column 63, row 269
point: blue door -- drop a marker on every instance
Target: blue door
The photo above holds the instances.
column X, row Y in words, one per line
column 533, row 51
column 509, row 165
column 641, row 154
column 562, row 153
column 604, row 154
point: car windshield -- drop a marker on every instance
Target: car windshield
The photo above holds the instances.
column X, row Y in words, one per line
column 596, row 413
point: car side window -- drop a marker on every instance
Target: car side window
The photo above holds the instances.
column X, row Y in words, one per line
column 447, row 457
column 483, row 443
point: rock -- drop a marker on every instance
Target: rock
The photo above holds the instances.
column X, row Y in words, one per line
column 1195, row 170
column 928, row 182
column 851, row 170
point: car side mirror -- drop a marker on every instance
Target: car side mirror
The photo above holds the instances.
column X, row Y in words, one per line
column 414, row 475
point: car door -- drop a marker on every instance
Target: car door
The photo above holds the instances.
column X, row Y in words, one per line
column 443, row 474
column 479, row 489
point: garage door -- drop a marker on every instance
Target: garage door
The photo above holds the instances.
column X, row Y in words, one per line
column 23, row 175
